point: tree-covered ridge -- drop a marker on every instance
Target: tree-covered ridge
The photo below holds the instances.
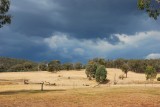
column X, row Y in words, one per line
column 14, row 65
column 135, row 65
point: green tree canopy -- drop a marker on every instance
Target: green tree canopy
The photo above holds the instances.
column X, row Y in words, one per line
column 152, row 7
column 150, row 72
column 78, row 66
column 4, row 8
column 91, row 70
column 101, row 73
column 54, row 65
column 125, row 68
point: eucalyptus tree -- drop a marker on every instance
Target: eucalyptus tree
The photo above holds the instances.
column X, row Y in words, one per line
column 152, row 7
column 5, row 18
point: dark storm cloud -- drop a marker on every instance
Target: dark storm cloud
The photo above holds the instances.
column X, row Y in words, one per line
column 79, row 18
column 79, row 29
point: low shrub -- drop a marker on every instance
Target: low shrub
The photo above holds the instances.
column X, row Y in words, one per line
column 121, row 77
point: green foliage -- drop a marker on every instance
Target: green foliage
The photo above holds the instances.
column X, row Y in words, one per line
column 17, row 68
column 78, row 66
column 28, row 66
column 2, row 68
column 99, row 61
column 91, row 70
column 43, row 67
column 10, row 64
column 150, row 6
column 150, row 72
column 101, row 73
column 158, row 79
column 138, row 66
column 4, row 8
column 125, row 69
column 119, row 62
column 54, row 65
column 67, row 66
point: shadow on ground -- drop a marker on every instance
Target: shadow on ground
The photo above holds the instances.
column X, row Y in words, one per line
column 29, row 91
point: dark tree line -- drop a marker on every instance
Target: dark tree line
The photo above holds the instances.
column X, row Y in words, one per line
column 16, row 65
column 56, row 65
column 135, row 65
column 19, row 65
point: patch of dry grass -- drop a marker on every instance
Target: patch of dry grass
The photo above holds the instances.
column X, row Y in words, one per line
column 71, row 90
column 88, row 97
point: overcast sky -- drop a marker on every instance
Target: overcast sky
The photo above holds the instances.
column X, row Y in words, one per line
column 78, row 30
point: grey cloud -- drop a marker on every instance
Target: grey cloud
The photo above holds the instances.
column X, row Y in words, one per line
column 79, row 18
column 83, row 20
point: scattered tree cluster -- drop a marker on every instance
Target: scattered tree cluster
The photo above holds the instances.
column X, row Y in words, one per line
column 56, row 65
column 96, row 69
column 135, row 65
column 18, row 65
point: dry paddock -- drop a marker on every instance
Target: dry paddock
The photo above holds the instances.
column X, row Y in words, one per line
column 73, row 89
column 86, row 97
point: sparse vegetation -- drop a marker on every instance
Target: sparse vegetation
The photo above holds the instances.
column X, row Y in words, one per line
column 121, row 77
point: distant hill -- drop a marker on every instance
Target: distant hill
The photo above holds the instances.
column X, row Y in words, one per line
column 11, row 64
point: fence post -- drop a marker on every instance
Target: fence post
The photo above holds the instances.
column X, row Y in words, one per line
column 42, row 86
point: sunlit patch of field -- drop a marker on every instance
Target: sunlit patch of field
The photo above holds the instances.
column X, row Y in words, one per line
column 66, row 80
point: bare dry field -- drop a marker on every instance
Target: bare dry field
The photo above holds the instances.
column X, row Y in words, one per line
column 73, row 89
column 86, row 97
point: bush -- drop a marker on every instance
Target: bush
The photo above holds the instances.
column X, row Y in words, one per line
column 158, row 79
column 67, row 66
column 91, row 70
column 121, row 77
column 17, row 68
column 150, row 72
column 42, row 67
column 101, row 73
column 125, row 69
column 54, row 65
column 78, row 66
